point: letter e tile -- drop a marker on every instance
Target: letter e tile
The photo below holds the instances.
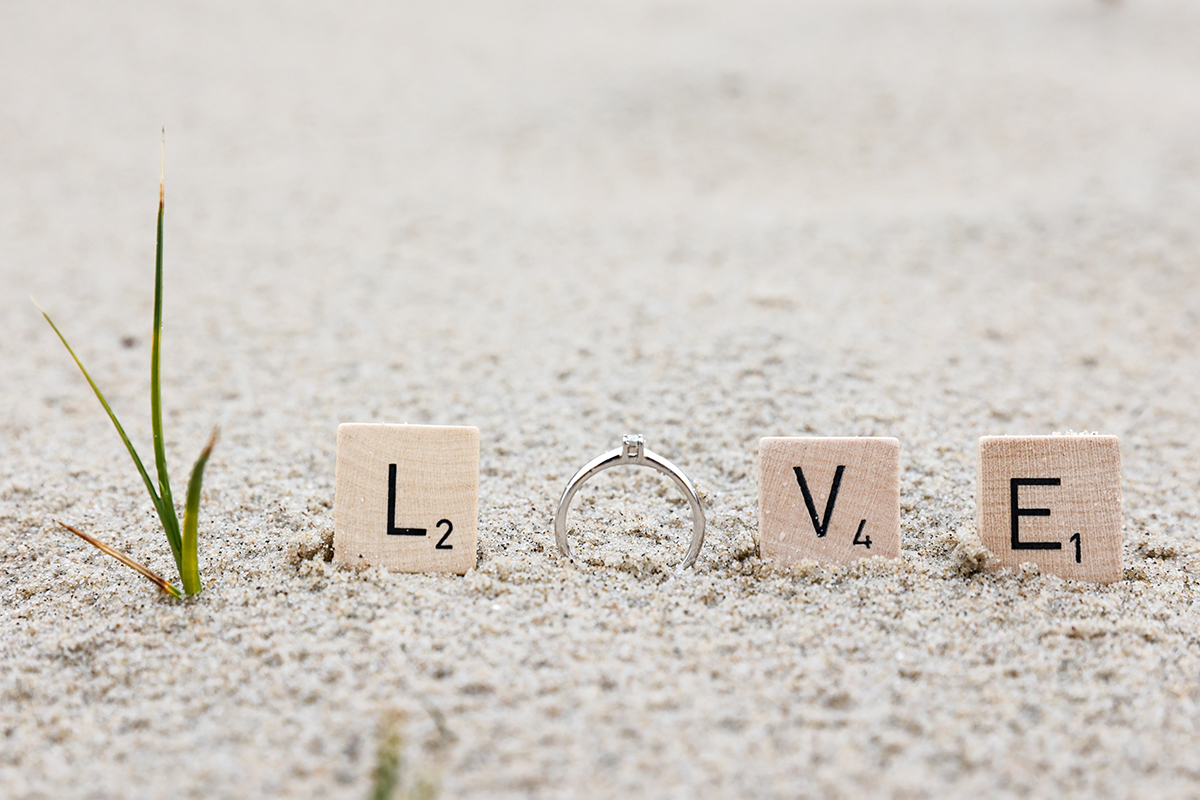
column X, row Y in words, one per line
column 1052, row 500
column 834, row 500
column 406, row 497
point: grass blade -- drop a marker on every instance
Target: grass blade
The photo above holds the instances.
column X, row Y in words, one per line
column 167, row 513
column 189, row 572
column 141, row 468
column 137, row 566
column 389, row 764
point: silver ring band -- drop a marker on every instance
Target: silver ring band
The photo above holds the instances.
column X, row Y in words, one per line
column 632, row 452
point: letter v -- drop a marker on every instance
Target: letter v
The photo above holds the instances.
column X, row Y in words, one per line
column 820, row 527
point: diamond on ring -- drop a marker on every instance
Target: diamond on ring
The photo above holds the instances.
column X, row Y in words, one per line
column 634, row 444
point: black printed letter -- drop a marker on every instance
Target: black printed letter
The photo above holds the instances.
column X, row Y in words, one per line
column 392, row 529
column 1014, row 486
column 820, row 527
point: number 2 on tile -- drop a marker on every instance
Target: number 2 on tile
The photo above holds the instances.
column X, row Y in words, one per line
column 441, row 545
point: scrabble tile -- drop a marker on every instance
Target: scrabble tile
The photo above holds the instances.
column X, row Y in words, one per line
column 1052, row 500
column 834, row 500
column 406, row 497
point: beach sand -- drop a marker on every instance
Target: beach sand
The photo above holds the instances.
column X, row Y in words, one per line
column 703, row 222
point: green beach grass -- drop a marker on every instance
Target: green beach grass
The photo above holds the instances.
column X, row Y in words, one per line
column 183, row 538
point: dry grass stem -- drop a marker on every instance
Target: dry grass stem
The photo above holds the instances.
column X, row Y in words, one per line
column 133, row 564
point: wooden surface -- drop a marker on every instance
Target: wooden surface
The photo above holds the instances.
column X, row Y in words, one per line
column 1085, row 503
column 868, row 489
column 436, row 490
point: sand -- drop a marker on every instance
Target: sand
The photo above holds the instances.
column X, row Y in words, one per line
column 702, row 222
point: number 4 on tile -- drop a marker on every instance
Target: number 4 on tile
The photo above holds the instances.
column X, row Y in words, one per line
column 858, row 537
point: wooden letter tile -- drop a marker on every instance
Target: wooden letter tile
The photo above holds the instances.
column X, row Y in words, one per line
column 407, row 497
column 834, row 500
column 1052, row 500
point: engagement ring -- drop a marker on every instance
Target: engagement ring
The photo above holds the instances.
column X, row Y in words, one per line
column 632, row 452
